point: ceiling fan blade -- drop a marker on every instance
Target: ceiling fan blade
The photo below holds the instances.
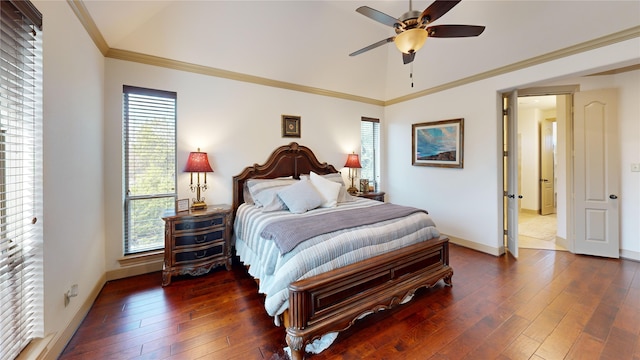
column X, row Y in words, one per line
column 407, row 58
column 379, row 16
column 435, row 10
column 448, row 31
column 373, row 46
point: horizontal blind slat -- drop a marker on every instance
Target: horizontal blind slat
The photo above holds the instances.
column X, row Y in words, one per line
column 20, row 133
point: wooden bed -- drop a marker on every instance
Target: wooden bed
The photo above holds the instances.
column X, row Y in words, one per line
column 333, row 301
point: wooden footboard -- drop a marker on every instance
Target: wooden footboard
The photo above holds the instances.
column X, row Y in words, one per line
column 333, row 301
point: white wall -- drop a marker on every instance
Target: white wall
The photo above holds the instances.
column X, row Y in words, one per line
column 237, row 124
column 74, row 243
column 467, row 203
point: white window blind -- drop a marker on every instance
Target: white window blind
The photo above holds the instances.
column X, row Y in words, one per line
column 21, row 274
column 150, row 165
column 370, row 150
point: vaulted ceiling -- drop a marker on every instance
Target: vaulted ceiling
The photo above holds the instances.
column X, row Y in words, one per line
column 307, row 42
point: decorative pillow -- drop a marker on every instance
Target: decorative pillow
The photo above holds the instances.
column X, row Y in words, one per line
column 300, row 197
column 327, row 188
column 343, row 195
column 264, row 192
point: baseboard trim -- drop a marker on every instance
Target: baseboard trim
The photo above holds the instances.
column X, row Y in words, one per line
column 530, row 211
column 630, row 255
column 475, row 246
column 59, row 340
column 139, row 269
column 560, row 241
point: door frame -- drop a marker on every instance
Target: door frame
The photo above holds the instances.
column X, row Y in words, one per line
column 540, row 91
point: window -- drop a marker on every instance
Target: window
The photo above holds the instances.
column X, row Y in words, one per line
column 149, row 166
column 370, row 150
column 21, row 274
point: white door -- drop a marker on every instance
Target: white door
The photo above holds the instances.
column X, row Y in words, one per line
column 547, row 177
column 596, row 173
column 512, row 197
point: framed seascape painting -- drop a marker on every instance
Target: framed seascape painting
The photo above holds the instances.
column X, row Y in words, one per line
column 438, row 143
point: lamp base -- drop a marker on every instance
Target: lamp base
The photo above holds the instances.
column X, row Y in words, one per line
column 199, row 205
column 352, row 190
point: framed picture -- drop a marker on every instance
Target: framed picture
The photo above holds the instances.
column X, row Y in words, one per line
column 182, row 205
column 290, row 126
column 364, row 186
column 438, row 143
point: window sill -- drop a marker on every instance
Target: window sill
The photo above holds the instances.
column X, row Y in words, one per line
column 144, row 258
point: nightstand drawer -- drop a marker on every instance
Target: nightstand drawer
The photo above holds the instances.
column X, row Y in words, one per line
column 197, row 255
column 197, row 239
column 198, row 224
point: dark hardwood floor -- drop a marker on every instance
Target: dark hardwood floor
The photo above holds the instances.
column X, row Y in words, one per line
column 545, row 305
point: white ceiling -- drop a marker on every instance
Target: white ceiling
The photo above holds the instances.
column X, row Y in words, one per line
column 307, row 42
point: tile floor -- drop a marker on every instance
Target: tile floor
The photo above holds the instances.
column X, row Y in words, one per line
column 537, row 231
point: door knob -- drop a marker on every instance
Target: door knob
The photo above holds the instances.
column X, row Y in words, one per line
column 613, row 197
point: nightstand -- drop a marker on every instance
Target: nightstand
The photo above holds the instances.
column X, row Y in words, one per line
column 195, row 241
column 372, row 195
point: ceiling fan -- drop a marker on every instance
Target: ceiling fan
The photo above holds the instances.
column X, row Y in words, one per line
column 412, row 27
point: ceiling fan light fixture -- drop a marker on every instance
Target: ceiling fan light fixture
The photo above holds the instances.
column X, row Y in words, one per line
column 411, row 40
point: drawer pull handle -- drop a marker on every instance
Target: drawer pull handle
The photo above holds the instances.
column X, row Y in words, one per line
column 201, row 239
column 198, row 256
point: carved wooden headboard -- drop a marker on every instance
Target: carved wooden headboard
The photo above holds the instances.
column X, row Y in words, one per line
column 287, row 160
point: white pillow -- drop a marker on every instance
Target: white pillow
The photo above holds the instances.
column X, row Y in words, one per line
column 327, row 188
column 264, row 192
column 300, row 197
column 343, row 196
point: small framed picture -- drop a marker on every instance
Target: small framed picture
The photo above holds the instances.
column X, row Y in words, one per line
column 290, row 126
column 364, row 186
column 182, row 205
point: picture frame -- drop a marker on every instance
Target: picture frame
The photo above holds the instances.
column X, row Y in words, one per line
column 182, row 205
column 291, row 126
column 438, row 143
column 364, row 186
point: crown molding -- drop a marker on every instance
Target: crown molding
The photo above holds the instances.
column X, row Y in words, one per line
column 607, row 40
column 78, row 8
column 210, row 71
column 83, row 15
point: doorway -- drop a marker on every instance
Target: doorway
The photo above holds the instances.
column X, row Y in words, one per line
column 538, row 172
column 587, row 170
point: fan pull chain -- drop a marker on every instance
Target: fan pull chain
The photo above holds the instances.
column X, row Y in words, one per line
column 411, row 74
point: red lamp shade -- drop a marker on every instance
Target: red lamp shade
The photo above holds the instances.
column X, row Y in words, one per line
column 353, row 161
column 198, row 162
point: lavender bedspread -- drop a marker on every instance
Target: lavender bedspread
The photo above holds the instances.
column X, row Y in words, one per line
column 288, row 233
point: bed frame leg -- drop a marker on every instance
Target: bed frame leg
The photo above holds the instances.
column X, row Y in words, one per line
column 296, row 344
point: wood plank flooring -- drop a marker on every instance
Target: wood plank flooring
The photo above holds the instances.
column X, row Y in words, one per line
column 545, row 305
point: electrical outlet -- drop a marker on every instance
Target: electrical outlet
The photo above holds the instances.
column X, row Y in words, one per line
column 635, row 167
